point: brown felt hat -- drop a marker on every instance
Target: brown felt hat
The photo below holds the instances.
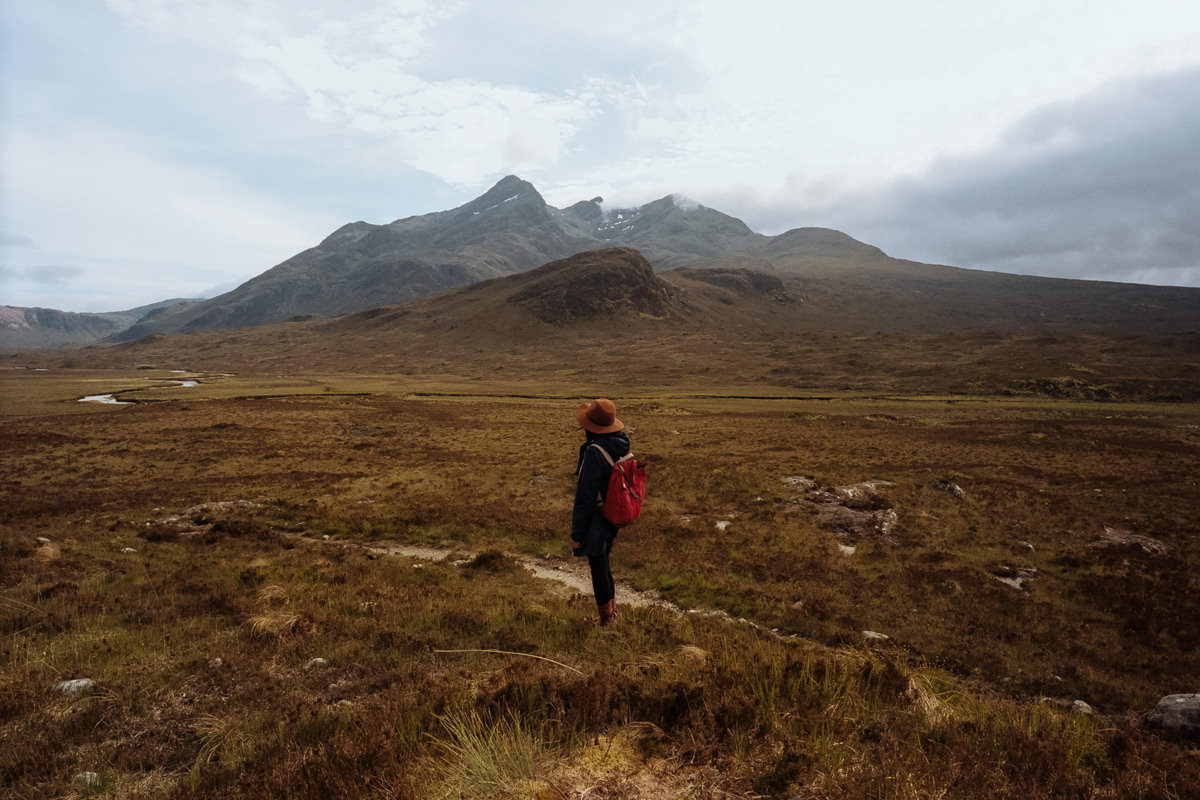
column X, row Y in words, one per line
column 599, row 416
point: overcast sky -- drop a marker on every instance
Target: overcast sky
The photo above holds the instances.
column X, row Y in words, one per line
column 161, row 148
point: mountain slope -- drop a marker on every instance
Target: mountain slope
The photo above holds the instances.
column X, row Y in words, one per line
column 39, row 328
column 607, row 315
column 508, row 229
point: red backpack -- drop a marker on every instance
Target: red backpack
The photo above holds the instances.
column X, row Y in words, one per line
column 626, row 488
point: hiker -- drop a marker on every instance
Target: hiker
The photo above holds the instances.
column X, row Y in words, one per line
column 591, row 534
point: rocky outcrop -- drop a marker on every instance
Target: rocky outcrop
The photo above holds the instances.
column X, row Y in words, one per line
column 1177, row 715
column 1072, row 388
column 616, row 280
column 852, row 511
column 1119, row 538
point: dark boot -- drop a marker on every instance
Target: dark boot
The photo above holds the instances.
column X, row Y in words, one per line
column 608, row 612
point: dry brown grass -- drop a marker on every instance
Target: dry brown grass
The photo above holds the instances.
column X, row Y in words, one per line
column 201, row 635
column 274, row 624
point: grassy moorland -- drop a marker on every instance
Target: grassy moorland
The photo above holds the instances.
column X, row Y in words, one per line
column 199, row 557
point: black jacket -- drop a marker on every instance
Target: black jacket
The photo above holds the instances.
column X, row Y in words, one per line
column 588, row 525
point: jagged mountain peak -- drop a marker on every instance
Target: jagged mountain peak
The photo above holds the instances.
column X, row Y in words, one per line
column 508, row 189
column 507, row 229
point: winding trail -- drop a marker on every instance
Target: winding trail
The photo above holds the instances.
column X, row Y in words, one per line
column 573, row 574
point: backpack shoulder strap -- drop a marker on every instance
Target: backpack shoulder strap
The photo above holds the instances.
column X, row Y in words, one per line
column 603, row 452
column 608, row 457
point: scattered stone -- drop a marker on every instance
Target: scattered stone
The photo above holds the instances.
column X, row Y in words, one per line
column 1177, row 714
column 128, row 550
column 846, row 549
column 875, row 636
column 863, row 495
column 1076, row 706
column 540, row 480
column 88, row 778
column 1022, row 547
column 947, row 485
column 693, row 653
column 75, row 687
column 215, row 663
column 221, row 507
column 721, row 524
column 43, row 540
column 800, row 482
column 857, row 522
column 1015, row 577
column 1119, row 537
column 313, row 663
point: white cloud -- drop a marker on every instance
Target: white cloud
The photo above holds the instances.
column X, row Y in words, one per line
column 356, row 67
column 135, row 227
column 840, row 99
column 773, row 111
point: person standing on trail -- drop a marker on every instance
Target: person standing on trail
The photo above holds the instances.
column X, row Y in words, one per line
column 591, row 534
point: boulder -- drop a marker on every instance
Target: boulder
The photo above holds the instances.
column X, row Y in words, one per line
column 857, row 523
column 1119, row 537
column 947, row 485
column 863, row 495
column 1177, row 714
column 799, row 482
column 75, row 687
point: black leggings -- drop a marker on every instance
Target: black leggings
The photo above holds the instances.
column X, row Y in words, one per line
column 602, row 579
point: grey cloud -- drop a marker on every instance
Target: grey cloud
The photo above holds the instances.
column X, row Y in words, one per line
column 15, row 240
column 50, row 274
column 1104, row 187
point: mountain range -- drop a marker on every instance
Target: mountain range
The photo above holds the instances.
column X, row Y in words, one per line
column 508, row 229
column 541, row 269
column 34, row 328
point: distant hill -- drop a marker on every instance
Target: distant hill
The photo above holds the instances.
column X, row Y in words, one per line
column 40, row 328
column 606, row 315
column 706, row 260
column 509, row 229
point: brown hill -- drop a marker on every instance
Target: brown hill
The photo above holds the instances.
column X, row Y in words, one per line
column 890, row 327
column 599, row 283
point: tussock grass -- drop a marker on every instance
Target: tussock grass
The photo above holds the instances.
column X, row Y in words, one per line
column 485, row 757
column 272, row 595
column 274, row 624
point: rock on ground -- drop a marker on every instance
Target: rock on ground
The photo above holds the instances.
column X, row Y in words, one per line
column 1177, row 714
column 1119, row 537
column 75, row 687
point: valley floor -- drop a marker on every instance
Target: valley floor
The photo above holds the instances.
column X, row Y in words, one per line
column 893, row 596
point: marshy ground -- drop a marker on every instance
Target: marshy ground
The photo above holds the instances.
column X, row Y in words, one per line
column 214, row 559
